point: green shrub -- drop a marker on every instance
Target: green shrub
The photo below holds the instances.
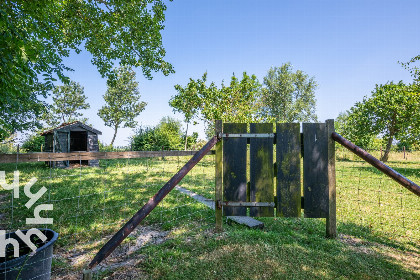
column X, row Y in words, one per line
column 108, row 148
column 34, row 143
column 167, row 135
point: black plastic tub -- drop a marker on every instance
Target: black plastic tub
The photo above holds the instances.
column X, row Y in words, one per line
column 29, row 265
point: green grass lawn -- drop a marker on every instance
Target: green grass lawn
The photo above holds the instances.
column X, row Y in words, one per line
column 378, row 225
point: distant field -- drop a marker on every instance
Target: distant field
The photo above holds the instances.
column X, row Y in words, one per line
column 378, row 225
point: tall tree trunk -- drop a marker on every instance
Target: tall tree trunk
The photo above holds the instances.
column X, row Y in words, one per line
column 186, row 138
column 115, row 135
column 384, row 158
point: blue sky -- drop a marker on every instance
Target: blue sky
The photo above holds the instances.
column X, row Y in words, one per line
column 348, row 46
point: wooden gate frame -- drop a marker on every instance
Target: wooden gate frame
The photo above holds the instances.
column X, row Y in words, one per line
column 324, row 146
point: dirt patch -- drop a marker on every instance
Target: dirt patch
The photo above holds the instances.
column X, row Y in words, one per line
column 121, row 264
column 408, row 259
column 357, row 244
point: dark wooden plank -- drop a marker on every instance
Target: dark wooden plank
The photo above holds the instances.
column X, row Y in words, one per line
column 247, row 221
column 261, row 170
column 331, row 223
column 234, row 168
column 218, row 177
column 315, row 170
column 288, row 150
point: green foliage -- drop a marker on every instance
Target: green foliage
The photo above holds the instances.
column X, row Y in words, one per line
column 187, row 101
column 413, row 68
column 122, row 99
column 37, row 35
column 7, row 145
column 109, row 148
column 191, row 140
column 392, row 112
column 409, row 146
column 345, row 125
column 33, row 143
column 288, row 96
column 237, row 102
column 68, row 100
column 167, row 135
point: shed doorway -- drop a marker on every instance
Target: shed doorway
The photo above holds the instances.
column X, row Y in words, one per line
column 78, row 143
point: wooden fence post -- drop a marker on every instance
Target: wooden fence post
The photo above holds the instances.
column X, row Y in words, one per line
column 87, row 274
column 331, row 223
column 218, row 177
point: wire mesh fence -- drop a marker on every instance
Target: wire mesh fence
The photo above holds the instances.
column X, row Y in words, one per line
column 370, row 199
column 90, row 204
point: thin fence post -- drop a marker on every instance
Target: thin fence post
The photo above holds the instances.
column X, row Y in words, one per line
column 87, row 274
column 218, row 197
column 404, row 151
column 331, row 222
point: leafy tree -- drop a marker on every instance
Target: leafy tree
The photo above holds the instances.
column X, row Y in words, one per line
column 413, row 68
column 122, row 99
column 169, row 130
column 167, row 134
column 7, row 146
column 186, row 102
column 391, row 112
column 237, row 102
column 288, row 96
column 37, row 35
column 192, row 140
column 345, row 125
column 67, row 101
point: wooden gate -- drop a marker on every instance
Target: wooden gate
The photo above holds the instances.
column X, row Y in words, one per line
column 248, row 177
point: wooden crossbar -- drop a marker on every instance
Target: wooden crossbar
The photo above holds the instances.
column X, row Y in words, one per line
column 35, row 157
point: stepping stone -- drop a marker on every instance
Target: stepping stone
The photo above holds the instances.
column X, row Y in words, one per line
column 245, row 220
column 242, row 220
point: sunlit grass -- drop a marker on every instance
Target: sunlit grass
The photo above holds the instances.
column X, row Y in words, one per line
column 378, row 222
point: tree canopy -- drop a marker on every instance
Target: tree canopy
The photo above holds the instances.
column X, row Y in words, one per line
column 67, row 101
column 37, row 35
column 236, row 102
column 187, row 102
column 288, row 96
column 122, row 100
column 392, row 112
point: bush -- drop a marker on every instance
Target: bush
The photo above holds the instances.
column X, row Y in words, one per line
column 408, row 146
column 167, row 135
column 7, row 146
column 108, row 148
column 34, row 143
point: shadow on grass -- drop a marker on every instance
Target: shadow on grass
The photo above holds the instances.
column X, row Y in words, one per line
column 285, row 249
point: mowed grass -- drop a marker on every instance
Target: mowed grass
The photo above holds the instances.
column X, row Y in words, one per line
column 378, row 223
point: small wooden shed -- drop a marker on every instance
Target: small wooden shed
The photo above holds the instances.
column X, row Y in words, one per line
column 72, row 137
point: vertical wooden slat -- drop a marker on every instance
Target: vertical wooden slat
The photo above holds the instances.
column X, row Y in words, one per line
column 234, row 168
column 331, row 224
column 218, row 176
column 315, row 170
column 288, row 149
column 261, row 170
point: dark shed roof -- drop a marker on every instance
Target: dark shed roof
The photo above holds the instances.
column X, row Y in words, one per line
column 70, row 126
